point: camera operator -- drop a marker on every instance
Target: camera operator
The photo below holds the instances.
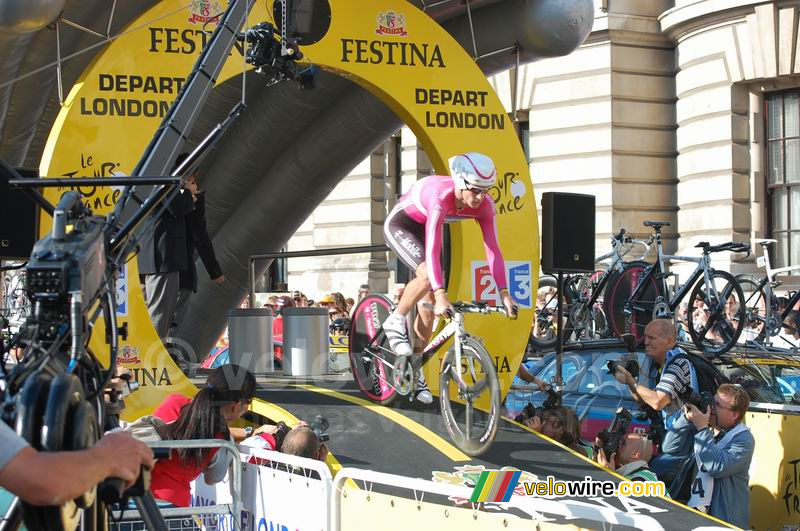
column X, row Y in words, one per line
column 630, row 459
column 53, row 478
column 677, row 377
column 723, row 449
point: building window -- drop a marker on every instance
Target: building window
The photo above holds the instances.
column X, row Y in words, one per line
column 783, row 175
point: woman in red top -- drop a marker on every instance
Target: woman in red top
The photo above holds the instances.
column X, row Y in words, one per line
column 223, row 400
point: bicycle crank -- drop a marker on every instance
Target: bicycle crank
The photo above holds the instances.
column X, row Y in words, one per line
column 403, row 376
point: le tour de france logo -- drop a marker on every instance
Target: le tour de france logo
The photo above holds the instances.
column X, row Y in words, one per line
column 391, row 23
column 205, row 11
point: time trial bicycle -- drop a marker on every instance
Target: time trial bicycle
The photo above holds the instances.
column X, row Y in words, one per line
column 469, row 389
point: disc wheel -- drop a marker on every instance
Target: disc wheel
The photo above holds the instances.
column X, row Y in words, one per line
column 472, row 412
column 620, row 288
column 371, row 359
column 717, row 313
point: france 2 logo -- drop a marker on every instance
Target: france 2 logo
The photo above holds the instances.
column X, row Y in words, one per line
column 484, row 288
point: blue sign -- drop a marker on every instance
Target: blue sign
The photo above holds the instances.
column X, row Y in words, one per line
column 519, row 284
column 122, row 291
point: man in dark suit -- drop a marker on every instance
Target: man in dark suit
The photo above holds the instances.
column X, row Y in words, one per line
column 162, row 257
column 197, row 239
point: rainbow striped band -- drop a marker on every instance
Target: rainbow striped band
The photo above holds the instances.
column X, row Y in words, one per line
column 495, row 486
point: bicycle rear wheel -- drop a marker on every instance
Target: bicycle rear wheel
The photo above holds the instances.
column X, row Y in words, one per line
column 717, row 312
column 472, row 425
column 620, row 288
column 369, row 349
column 757, row 328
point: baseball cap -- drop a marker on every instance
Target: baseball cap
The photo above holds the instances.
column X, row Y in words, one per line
column 326, row 299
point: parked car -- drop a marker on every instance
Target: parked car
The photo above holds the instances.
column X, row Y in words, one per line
column 769, row 377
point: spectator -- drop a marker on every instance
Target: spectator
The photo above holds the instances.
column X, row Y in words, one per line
column 363, row 291
column 560, row 424
column 723, row 448
column 225, row 397
column 350, row 303
column 338, row 301
column 327, row 301
column 53, row 478
column 300, row 300
column 162, row 257
column 677, row 377
column 787, row 338
column 635, row 450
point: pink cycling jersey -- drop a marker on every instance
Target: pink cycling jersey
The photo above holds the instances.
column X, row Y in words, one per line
column 431, row 202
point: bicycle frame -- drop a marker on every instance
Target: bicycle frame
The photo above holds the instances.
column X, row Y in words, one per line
column 617, row 263
column 660, row 270
column 768, row 281
column 455, row 328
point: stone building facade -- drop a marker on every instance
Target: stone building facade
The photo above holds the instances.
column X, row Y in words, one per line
column 678, row 110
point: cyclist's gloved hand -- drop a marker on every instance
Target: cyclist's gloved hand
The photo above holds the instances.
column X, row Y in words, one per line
column 443, row 306
column 508, row 302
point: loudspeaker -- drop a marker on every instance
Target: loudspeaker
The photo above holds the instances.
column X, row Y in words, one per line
column 567, row 232
column 18, row 219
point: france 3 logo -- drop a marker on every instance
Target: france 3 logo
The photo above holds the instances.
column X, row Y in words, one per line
column 484, row 288
column 122, row 291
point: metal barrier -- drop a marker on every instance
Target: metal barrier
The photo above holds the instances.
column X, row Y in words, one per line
column 251, row 269
column 132, row 517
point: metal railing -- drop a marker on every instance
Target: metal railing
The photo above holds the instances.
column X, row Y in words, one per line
column 251, row 269
column 234, row 508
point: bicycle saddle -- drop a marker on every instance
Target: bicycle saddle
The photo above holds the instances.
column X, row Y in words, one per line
column 657, row 224
column 764, row 242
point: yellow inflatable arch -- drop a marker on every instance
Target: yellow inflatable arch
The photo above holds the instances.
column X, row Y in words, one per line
column 387, row 46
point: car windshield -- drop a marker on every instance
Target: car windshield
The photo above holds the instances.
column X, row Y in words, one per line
column 766, row 381
column 587, row 372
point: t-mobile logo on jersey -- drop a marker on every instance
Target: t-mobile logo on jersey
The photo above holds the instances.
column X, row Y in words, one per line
column 408, row 244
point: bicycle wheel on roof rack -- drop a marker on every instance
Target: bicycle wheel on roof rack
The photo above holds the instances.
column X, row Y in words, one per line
column 717, row 312
column 370, row 354
column 620, row 288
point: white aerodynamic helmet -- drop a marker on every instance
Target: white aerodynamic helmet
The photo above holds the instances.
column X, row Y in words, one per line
column 473, row 170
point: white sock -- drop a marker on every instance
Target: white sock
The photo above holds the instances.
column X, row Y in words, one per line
column 398, row 316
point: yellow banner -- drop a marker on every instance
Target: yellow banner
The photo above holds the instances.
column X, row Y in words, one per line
column 388, row 46
column 774, row 472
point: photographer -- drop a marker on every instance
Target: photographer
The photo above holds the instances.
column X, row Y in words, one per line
column 560, row 424
column 678, row 376
column 630, row 459
column 723, row 448
column 53, row 478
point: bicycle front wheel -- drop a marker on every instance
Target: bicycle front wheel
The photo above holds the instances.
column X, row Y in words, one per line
column 717, row 312
column 371, row 358
column 471, row 409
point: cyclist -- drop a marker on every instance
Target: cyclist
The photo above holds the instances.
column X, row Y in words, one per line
column 413, row 230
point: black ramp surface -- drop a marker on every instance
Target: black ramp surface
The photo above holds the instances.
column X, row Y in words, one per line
column 362, row 437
